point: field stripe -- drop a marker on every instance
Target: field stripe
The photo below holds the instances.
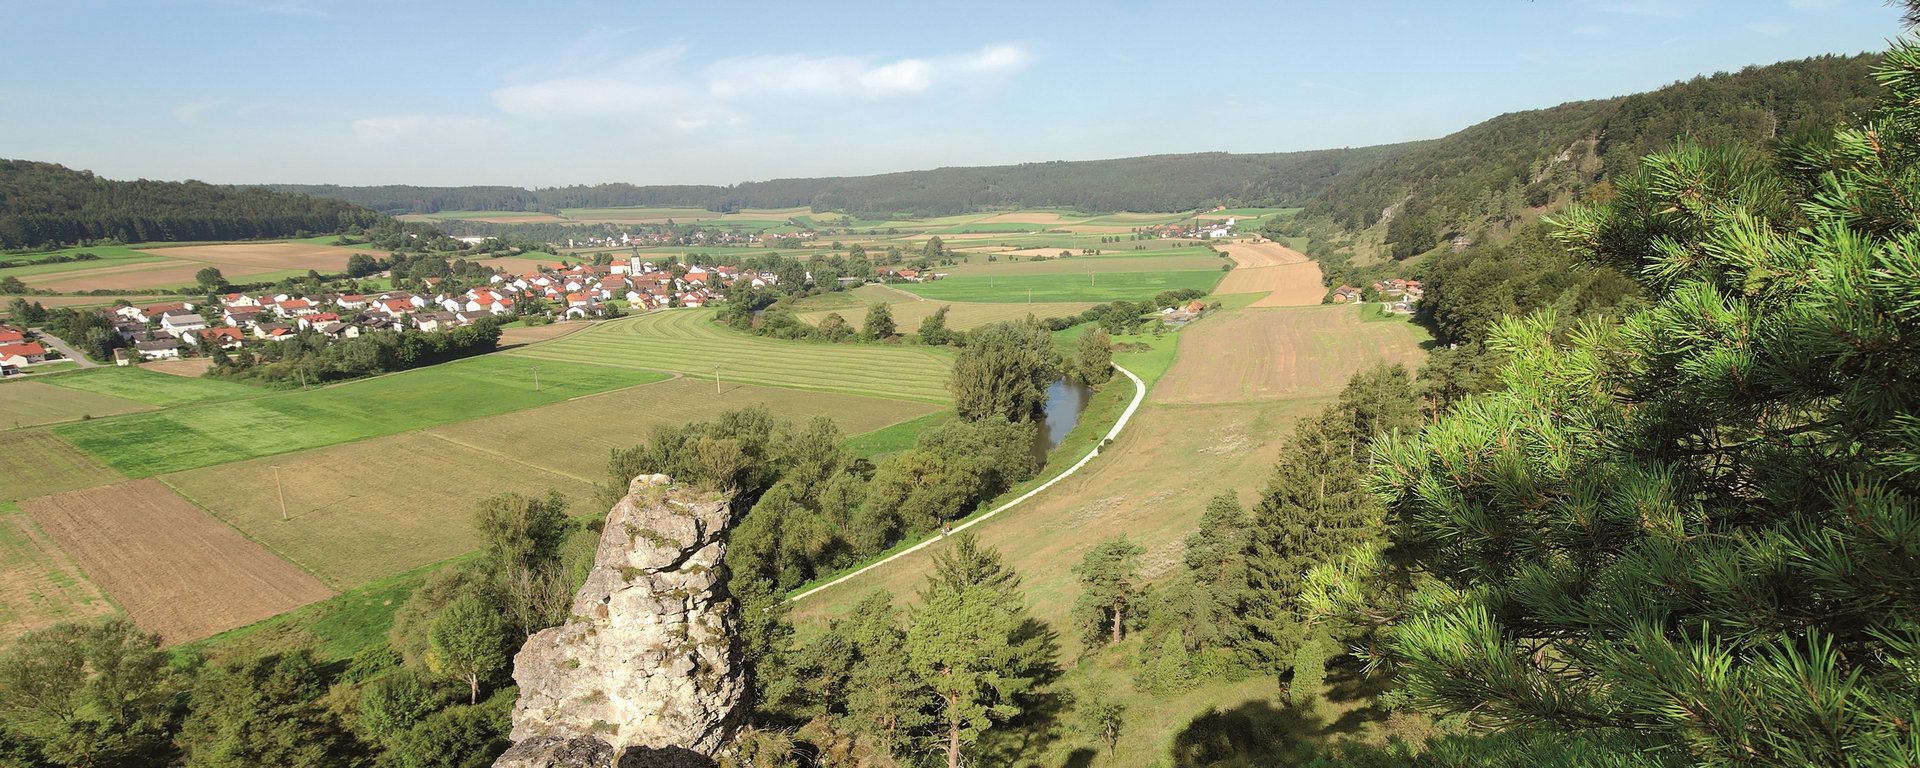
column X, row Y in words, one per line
column 1139, row 395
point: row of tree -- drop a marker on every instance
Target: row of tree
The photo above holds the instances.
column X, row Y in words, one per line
column 310, row 358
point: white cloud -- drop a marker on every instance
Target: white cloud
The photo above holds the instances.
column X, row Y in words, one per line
column 1590, row 30
column 1666, row 9
column 391, row 128
column 190, row 112
column 1813, row 5
column 656, row 84
column 1768, row 28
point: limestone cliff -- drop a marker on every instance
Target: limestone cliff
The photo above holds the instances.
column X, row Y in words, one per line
column 647, row 664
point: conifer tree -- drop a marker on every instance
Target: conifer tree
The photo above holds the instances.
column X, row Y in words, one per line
column 1109, row 588
column 1698, row 527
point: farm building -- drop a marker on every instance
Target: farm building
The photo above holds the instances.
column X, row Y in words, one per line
column 157, row 349
column 23, row 354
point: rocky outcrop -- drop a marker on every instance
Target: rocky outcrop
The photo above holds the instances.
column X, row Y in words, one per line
column 647, row 666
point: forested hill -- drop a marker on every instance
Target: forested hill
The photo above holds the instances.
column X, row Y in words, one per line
column 1153, row 183
column 1491, row 171
column 42, row 203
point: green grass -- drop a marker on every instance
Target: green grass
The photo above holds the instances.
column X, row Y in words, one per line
column 38, row 401
column 1103, row 287
column 110, row 256
column 187, row 437
column 689, row 341
column 152, row 388
column 895, row 438
column 335, row 628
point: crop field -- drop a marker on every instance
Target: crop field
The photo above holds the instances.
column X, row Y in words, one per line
column 518, row 335
column 31, row 403
column 39, row 585
column 153, row 387
column 359, row 512
column 203, row 435
column 909, row 310
column 574, row 438
column 84, row 301
column 186, row 367
column 1195, row 259
column 34, row 462
column 688, row 341
column 176, row 571
column 176, row 265
column 1285, row 275
column 1262, row 354
column 1101, row 287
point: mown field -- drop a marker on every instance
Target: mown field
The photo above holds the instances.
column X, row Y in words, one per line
column 574, row 438
column 175, row 265
column 909, row 310
column 39, row 585
column 369, row 509
column 176, row 571
column 32, row 403
column 1176, row 260
column 154, row 388
column 37, row 463
column 1268, row 354
column 1100, row 287
column 193, row 436
column 689, row 342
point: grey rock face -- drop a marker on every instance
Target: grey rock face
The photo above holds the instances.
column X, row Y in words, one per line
column 647, row 665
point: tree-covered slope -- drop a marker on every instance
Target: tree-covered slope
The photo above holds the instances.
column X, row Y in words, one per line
column 1494, row 172
column 42, row 203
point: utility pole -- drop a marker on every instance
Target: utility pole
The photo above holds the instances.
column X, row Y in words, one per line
column 278, row 491
column 716, row 379
column 536, row 378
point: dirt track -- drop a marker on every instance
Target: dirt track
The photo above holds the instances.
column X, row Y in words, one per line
column 1269, row 354
column 175, row 569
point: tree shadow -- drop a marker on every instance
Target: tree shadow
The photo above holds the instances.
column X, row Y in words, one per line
column 1252, row 734
column 1080, row 758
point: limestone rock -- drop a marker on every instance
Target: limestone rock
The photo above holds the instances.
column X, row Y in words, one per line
column 647, row 665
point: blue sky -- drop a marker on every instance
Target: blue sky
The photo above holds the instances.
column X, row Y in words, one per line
column 545, row 93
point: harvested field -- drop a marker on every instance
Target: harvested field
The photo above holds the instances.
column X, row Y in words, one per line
column 1164, row 261
column 1263, row 354
column 1065, row 287
column 369, row 509
column 176, row 571
column 1021, row 217
column 521, row 335
column 1284, row 274
column 191, row 367
column 36, row 463
column 235, row 260
column 84, row 301
column 908, row 312
column 39, row 585
column 574, row 438
column 30, row 403
column 690, row 342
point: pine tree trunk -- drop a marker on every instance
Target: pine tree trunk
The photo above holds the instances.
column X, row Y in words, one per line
column 473, row 689
column 953, row 743
column 1119, row 620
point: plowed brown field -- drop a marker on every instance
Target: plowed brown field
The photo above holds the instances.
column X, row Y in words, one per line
column 176, row 570
column 234, row 261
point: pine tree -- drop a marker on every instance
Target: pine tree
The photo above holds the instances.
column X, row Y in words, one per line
column 1314, row 509
column 974, row 645
column 1697, row 527
column 1109, row 588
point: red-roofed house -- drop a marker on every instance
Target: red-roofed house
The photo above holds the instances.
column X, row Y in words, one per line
column 11, row 336
column 22, row 354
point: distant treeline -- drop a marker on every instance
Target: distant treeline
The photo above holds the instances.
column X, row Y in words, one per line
column 1153, row 183
column 45, row 204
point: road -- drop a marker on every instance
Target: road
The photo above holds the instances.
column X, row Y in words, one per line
column 65, row 351
column 1139, row 394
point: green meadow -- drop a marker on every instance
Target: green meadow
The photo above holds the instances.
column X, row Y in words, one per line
column 1100, row 287
column 186, row 437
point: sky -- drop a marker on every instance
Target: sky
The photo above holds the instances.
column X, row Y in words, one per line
column 561, row 92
